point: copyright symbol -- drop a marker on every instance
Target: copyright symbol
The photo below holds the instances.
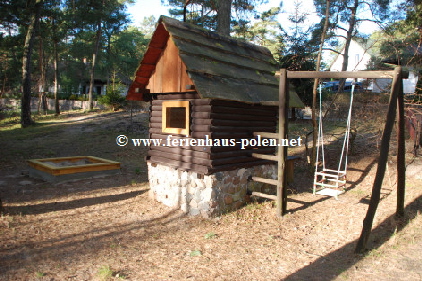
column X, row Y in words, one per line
column 121, row 140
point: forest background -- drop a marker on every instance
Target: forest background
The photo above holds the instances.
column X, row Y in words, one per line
column 53, row 47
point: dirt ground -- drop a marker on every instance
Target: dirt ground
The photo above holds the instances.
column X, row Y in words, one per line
column 107, row 228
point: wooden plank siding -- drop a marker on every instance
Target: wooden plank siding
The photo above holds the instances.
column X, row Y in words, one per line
column 223, row 120
column 170, row 72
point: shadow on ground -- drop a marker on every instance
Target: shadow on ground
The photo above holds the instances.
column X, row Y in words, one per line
column 330, row 266
column 36, row 209
column 72, row 247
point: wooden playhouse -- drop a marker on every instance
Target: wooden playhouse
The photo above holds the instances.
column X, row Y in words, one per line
column 208, row 95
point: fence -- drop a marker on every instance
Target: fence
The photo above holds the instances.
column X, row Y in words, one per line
column 65, row 105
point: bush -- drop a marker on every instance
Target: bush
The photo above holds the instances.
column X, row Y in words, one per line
column 113, row 98
column 73, row 97
column 12, row 95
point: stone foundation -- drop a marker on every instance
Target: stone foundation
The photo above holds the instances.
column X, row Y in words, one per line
column 207, row 195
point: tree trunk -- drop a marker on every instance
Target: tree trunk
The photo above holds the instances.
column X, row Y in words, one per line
column 223, row 17
column 94, row 59
column 187, row 2
column 56, row 78
column 26, row 119
column 3, row 88
column 349, row 36
column 41, row 83
column 314, row 93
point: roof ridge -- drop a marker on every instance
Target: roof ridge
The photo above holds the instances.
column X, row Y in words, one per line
column 213, row 35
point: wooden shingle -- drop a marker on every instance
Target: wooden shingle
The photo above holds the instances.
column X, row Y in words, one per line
column 219, row 67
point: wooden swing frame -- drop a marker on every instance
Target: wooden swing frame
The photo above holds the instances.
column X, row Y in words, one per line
column 396, row 105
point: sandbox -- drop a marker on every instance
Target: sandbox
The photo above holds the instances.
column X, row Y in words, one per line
column 71, row 168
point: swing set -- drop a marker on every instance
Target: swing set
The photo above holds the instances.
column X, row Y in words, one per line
column 336, row 178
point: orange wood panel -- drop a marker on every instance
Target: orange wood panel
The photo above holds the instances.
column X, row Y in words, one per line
column 184, row 79
column 170, row 73
column 179, row 74
column 158, row 74
column 151, row 82
column 170, row 68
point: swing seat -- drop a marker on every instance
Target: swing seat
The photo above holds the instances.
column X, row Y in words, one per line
column 330, row 192
column 329, row 179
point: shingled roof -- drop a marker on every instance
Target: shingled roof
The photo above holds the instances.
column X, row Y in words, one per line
column 220, row 67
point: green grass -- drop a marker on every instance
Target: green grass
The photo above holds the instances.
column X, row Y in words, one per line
column 375, row 253
column 210, row 235
column 11, row 120
column 39, row 274
column 105, row 273
column 51, row 137
column 358, row 192
column 253, row 206
column 195, row 253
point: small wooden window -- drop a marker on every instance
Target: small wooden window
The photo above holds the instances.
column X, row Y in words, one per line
column 175, row 117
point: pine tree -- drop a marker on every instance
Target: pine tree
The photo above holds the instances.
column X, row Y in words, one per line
column 214, row 15
column 35, row 7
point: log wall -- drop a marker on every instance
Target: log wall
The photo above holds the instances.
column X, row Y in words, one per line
column 216, row 120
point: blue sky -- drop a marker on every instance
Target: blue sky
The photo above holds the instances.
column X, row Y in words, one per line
column 145, row 8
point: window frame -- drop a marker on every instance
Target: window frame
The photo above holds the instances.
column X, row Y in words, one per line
column 172, row 130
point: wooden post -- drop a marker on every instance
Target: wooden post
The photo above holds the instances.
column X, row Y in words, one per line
column 282, row 150
column 401, row 151
column 382, row 161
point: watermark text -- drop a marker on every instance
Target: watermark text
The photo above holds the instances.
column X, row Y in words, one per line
column 172, row 141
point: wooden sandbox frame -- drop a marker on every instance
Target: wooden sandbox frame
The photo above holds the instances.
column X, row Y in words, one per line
column 46, row 170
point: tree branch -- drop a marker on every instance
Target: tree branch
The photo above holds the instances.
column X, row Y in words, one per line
column 342, row 28
column 332, row 50
column 371, row 20
column 341, row 36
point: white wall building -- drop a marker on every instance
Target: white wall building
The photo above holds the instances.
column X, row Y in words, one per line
column 358, row 58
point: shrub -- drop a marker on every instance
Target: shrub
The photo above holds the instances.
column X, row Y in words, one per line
column 73, row 97
column 12, row 95
column 113, row 98
column 105, row 273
